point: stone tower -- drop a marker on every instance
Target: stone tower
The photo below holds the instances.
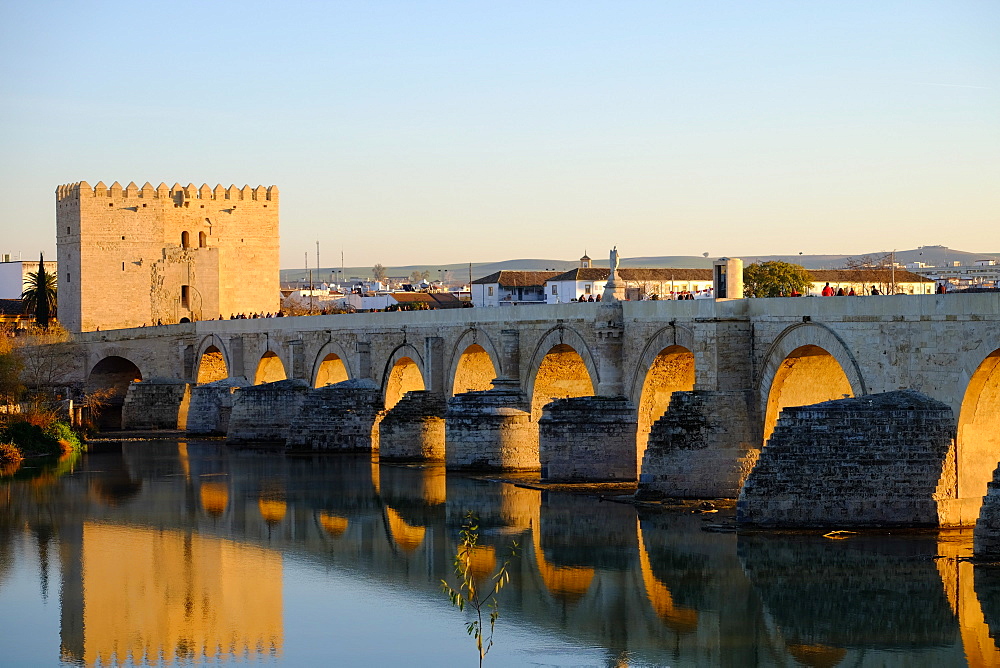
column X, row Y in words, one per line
column 132, row 256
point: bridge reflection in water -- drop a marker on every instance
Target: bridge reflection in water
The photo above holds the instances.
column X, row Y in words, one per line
column 175, row 553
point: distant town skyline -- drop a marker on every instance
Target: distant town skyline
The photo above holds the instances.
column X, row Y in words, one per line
column 448, row 132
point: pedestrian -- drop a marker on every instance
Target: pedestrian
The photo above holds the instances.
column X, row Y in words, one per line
column 827, row 290
column 875, row 291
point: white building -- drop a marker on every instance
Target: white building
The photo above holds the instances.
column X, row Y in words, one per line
column 14, row 273
column 862, row 281
column 511, row 288
column 979, row 274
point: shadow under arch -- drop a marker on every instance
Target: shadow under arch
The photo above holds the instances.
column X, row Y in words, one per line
column 564, row 363
column 331, row 365
column 112, row 374
column 978, row 442
column 467, row 371
column 403, row 372
column 212, row 358
column 806, row 364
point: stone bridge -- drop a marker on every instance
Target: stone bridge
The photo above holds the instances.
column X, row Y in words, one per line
column 685, row 392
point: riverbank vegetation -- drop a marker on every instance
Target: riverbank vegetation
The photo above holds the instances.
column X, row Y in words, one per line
column 31, row 423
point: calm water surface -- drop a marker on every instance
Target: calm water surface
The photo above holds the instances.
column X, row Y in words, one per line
column 189, row 553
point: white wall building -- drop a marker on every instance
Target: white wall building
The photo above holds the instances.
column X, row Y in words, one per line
column 511, row 288
column 13, row 275
column 979, row 274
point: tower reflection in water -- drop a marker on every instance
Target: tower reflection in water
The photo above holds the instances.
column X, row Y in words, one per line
column 150, row 596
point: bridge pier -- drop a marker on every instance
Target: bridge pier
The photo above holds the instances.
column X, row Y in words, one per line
column 490, row 430
column 212, row 404
column 413, row 430
column 987, row 532
column 879, row 460
column 156, row 403
column 342, row 417
column 588, row 439
column 701, row 447
column 264, row 413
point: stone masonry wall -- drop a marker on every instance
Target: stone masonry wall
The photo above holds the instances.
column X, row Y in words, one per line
column 414, row 429
column 873, row 461
column 212, row 404
column 342, row 417
column 157, row 403
column 490, row 430
column 588, row 439
column 987, row 531
column 700, row 448
column 264, row 413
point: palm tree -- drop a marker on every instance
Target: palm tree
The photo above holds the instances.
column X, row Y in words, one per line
column 39, row 295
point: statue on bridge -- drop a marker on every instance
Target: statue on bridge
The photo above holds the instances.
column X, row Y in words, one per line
column 613, row 291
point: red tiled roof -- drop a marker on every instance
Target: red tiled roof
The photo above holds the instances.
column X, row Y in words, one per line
column 636, row 274
column 517, row 279
column 11, row 307
column 873, row 275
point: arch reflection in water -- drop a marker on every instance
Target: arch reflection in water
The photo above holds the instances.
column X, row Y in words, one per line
column 177, row 597
column 974, row 595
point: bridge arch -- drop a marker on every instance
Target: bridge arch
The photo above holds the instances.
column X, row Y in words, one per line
column 331, row 365
column 112, row 374
column 212, row 360
column 404, row 372
column 474, row 362
column 807, row 363
column 666, row 365
column 270, row 367
column 561, row 365
column 978, row 442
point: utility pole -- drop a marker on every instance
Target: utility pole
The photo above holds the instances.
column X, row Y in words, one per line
column 892, row 273
column 318, row 265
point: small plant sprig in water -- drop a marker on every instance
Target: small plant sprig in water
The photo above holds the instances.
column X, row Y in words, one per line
column 468, row 592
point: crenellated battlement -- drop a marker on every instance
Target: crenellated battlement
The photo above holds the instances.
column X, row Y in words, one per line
column 82, row 189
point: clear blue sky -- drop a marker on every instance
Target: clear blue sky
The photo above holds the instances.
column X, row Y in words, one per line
column 435, row 132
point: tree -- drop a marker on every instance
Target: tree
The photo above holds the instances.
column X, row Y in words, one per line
column 380, row 273
column 468, row 593
column 417, row 276
column 875, row 270
column 774, row 279
column 11, row 367
column 39, row 295
column 46, row 362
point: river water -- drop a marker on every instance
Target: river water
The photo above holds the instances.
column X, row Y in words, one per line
column 180, row 553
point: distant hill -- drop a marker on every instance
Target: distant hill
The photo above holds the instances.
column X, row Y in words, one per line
column 459, row 273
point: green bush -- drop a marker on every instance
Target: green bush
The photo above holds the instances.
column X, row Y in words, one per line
column 35, row 441
column 31, row 439
column 63, row 432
